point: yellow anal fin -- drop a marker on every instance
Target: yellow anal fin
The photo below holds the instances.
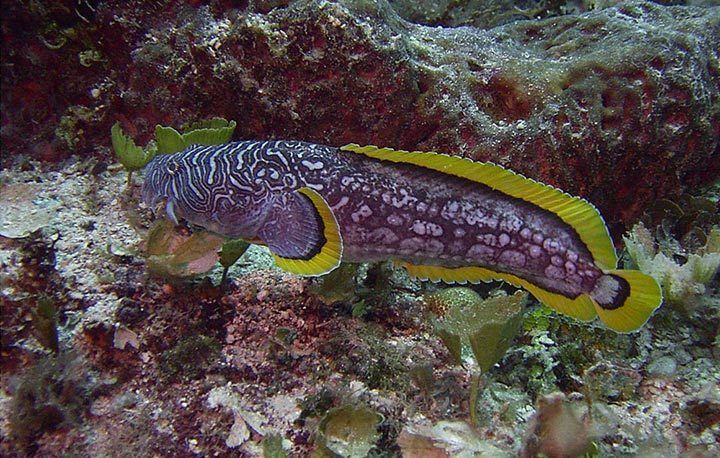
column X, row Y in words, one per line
column 327, row 253
column 580, row 307
column 628, row 310
column 581, row 215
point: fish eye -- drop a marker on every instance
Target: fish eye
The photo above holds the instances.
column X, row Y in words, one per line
column 173, row 167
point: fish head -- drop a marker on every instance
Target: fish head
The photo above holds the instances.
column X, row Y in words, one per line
column 202, row 194
column 156, row 190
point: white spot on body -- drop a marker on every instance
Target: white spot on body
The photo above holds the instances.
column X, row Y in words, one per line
column 315, row 186
column 570, row 267
column 490, row 221
column 473, row 217
column 551, row 246
column 362, row 212
column 434, row 247
column 426, row 228
column 572, row 256
column 459, row 232
column 421, row 207
column 411, row 245
column 312, row 165
column 406, row 199
column 449, row 210
column 526, row 233
column 418, row 227
column 394, row 220
column 538, row 238
column 435, row 230
column 341, row 203
column 487, row 239
column 511, row 224
column 557, row 261
column 535, row 251
column 504, row 239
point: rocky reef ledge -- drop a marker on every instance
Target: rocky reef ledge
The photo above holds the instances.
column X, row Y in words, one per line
column 619, row 105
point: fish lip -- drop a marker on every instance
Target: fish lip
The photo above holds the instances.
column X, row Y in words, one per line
column 152, row 201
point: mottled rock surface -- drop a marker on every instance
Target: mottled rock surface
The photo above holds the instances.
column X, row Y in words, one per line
column 619, row 105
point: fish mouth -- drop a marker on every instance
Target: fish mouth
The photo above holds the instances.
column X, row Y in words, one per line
column 160, row 204
column 164, row 206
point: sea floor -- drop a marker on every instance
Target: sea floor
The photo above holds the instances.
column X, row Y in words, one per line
column 152, row 366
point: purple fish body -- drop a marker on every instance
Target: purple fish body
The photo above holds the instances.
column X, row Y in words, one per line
column 416, row 208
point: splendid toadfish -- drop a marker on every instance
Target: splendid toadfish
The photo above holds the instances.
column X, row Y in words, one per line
column 443, row 218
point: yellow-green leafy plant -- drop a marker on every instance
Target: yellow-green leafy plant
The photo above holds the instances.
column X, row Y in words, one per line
column 446, row 438
column 215, row 131
column 484, row 328
column 171, row 253
column 230, row 252
column 131, row 156
column 337, row 286
column 470, row 324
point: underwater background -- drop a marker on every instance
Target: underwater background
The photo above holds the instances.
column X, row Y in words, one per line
column 123, row 335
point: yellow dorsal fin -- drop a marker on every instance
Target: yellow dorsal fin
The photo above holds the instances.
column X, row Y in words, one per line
column 580, row 307
column 581, row 215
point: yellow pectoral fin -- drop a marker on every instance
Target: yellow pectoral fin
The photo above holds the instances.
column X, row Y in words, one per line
column 582, row 216
column 580, row 307
column 326, row 244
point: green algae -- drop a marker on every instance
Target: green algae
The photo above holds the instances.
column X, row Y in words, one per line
column 348, row 431
column 446, row 438
column 69, row 129
column 171, row 254
column 216, row 131
column 338, row 285
column 190, row 357
column 272, row 447
column 230, row 252
column 361, row 349
column 131, row 156
column 174, row 255
column 44, row 321
column 485, row 326
column 89, row 57
column 316, row 404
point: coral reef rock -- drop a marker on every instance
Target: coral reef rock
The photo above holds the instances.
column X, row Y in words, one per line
column 601, row 103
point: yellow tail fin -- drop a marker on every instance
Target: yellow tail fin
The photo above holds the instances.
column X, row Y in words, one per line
column 625, row 299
